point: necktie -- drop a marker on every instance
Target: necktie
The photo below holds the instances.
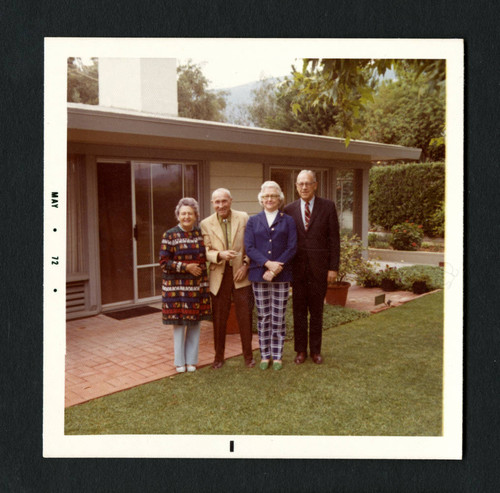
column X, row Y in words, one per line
column 224, row 221
column 307, row 216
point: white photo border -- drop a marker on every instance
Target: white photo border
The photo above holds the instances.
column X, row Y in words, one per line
column 57, row 444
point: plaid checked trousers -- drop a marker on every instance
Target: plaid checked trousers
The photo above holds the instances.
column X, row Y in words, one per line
column 271, row 299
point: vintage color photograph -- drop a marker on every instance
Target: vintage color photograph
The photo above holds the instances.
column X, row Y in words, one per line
column 253, row 248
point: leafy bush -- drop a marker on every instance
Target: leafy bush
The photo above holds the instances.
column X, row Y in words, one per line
column 378, row 241
column 436, row 222
column 351, row 250
column 407, row 193
column 432, row 275
column 406, row 236
column 391, row 274
column 368, row 276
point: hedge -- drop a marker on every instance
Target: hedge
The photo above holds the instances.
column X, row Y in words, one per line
column 407, row 193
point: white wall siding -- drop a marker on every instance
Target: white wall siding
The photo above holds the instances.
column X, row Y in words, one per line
column 242, row 179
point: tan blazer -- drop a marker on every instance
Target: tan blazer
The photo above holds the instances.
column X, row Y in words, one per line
column 213, row 237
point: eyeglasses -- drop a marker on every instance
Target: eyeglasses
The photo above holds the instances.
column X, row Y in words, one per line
column 305, row 184
column 266, row 197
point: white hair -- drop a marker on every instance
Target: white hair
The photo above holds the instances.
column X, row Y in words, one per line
column 271, row 184
column 312, row 173
column 222, row 190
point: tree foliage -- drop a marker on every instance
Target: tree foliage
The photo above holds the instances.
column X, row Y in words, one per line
column 271, row 108
column 82, row 81
column 350, row 84
column 402, row 113
column 194, row 98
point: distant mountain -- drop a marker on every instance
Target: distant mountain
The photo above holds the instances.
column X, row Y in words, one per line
column 241, row 95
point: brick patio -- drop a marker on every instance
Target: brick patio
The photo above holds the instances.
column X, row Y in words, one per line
column 104, row 355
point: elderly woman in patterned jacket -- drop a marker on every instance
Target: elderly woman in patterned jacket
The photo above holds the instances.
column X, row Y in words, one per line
column 185, row 290
column 271, row 243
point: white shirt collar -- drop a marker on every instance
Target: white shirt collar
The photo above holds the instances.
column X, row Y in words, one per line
column 271, row 216
column 311, row 202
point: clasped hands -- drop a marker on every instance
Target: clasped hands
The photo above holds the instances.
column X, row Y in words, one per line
column 273, row 269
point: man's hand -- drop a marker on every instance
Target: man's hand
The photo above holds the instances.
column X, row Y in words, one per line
column 228, row 254
column 241, row 273
column 332, row 276
column 268, row 275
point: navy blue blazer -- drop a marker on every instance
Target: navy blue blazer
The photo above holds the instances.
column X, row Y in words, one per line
column 277, row 243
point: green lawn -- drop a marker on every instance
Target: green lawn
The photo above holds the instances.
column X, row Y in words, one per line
column 382, row 376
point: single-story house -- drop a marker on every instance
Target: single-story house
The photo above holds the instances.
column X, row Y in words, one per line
column 127, row 169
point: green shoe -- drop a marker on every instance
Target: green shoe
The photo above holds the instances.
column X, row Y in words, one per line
column 264, row 365
column 277, row 366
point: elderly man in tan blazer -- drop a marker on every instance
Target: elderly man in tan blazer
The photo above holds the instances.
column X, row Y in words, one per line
column 223, row 233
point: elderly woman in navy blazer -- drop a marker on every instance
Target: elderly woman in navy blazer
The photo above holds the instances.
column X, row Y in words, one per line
column 271, row 243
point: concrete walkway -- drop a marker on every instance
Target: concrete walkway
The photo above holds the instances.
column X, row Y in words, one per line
column 104, row 356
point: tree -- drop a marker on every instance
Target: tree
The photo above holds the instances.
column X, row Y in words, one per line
column 82, row 81
column 271, row 107
column 402, row 113
column 194, row 98
column 350, row 84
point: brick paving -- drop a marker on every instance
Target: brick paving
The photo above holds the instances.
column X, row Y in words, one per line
column 104, row 356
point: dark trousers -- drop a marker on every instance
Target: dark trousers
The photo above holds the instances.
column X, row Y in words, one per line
column 308, row 299
column 221, row 304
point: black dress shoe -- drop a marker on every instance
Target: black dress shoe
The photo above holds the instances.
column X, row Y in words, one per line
column 217, row 364
column 250, row 363
column 317, row 358
column 300, row 358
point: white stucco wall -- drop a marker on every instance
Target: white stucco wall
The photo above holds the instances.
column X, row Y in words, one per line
column 140, row 84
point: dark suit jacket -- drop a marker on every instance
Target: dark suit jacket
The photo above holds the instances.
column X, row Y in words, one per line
column 263, row 243
column 318, row 248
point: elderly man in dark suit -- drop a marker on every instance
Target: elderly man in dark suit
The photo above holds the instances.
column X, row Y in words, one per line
column 315, row 264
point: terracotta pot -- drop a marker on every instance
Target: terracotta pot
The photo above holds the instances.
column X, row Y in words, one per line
column 232, row 322
column 336, row 294
column 388, row 285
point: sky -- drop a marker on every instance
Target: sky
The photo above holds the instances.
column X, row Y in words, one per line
column 235, row 71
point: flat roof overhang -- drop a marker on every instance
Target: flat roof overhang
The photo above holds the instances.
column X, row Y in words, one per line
column 100, row 125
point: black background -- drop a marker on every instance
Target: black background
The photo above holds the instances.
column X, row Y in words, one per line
column 23, row 26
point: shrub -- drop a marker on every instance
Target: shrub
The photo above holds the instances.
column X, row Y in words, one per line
column 436, row 222
column 368, row 276
column 432, row 275
column 406, row 192
column 406, row 236
column 351, row 258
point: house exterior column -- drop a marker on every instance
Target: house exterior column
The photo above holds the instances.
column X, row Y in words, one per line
column 361, row 184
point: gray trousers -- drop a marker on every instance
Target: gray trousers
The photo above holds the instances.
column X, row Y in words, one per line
column 186, row 344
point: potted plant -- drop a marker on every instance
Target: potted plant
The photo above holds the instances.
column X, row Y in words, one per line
column 351, row 260
column 368, row 276
column 389, row 278
column 418, row 282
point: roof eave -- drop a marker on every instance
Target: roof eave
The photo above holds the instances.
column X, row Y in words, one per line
column 98, row 118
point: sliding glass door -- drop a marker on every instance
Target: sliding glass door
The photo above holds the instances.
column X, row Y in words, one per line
column 136, row 206
column 158, row 187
